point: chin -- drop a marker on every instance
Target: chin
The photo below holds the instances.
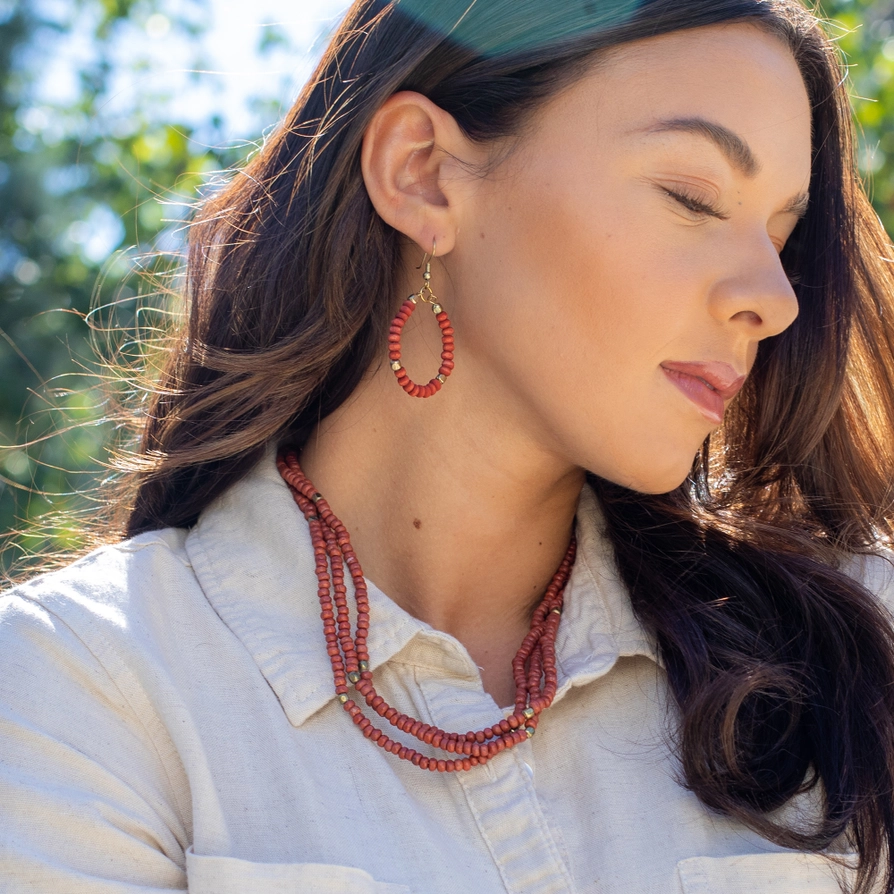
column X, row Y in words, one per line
column 655, row 480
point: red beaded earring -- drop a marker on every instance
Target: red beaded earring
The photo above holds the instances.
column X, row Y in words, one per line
column 425, row 294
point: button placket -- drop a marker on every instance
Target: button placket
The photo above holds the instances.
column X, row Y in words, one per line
column 502, row 797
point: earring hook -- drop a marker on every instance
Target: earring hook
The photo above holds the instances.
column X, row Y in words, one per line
column 427, row 257
column 425, row 293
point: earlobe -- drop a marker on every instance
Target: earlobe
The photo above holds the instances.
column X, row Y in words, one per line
column 409, row 151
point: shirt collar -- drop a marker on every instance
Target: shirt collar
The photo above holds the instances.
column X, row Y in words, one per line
column 252, row 554
column 598, row 624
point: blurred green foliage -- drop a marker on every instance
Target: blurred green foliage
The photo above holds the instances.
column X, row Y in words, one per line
column 87, row 200
column 864, row 31
column 90, row 203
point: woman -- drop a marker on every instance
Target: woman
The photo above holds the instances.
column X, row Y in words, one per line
column 619, row 510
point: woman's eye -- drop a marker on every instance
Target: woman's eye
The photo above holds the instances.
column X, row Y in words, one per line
column 694, row 205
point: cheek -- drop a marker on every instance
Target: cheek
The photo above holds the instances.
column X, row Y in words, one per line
column 564, row 248
column 578, row 282
column 579, row 296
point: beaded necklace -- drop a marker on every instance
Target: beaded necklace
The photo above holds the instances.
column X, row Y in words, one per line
column 534, row 666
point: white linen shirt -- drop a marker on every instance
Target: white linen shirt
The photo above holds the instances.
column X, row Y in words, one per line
column 168, row 722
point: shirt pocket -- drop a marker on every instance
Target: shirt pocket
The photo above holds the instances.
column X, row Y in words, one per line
column 782, row 873
column 227, row 875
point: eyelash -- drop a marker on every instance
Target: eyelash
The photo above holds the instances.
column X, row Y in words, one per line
column 696, row 206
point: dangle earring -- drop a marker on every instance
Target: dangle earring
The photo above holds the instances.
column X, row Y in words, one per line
column 425, row 295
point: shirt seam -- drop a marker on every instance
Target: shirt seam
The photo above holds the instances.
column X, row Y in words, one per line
column 184, row 810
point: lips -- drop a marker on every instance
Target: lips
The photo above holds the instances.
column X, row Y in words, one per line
column 708, row 385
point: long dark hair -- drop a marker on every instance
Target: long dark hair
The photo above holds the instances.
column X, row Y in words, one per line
column 781, row 665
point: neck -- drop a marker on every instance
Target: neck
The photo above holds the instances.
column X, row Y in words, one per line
column 460, row 523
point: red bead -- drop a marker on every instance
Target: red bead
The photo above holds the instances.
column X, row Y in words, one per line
column 534, row 666
column 394, row 354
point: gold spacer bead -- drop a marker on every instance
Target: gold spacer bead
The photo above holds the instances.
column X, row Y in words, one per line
column 556, row 611
column 412, row 298
column 342, row 698
column 441, row 378
column 530, row 731
column 317, row 497
column 364, row 665
column 395, row 365
column 436, row 308
column 528, row 712
column 354, row 677
column 426, row 276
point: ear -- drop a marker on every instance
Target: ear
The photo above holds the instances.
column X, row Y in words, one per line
column 411, row 170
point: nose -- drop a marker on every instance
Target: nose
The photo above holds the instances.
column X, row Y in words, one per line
column 757, row 296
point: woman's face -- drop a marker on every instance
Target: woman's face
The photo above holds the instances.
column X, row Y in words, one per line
column 615, row 274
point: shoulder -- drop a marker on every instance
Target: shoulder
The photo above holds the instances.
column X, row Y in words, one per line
column 98, row 610
column 107, row 587
column 104, row 571
column 85, row 750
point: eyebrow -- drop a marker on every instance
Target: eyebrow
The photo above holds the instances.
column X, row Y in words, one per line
column 736, row 150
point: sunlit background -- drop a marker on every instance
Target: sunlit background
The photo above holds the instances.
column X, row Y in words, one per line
column 216, row 72
column 114, row 116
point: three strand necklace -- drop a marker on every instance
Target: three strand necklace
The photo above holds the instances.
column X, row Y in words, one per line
column 533, row 668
